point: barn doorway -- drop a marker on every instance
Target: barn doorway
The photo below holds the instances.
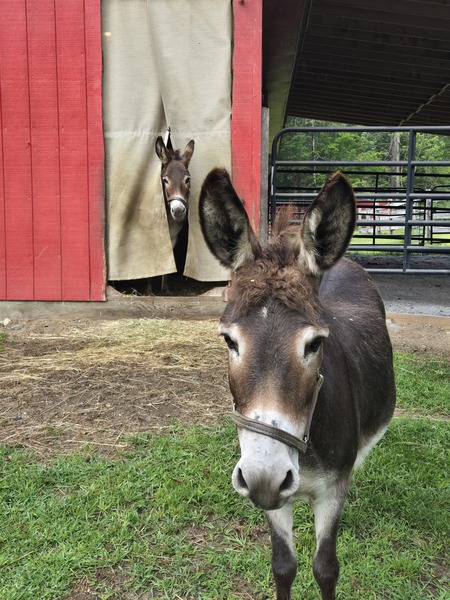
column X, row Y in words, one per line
column 166, row 66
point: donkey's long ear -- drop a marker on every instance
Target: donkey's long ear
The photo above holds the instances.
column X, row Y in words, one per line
column 328, row 225
column 163, row 153
column 187, row 154
column 224, row 222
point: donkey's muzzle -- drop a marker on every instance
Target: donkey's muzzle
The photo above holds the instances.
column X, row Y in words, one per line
column 266, row 494
column 178, row 209
column 268, row 483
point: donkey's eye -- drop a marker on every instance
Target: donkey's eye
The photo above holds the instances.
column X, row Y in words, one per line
column 187, row 181
column 165, row 181
column 313, row 346
column 232, row 346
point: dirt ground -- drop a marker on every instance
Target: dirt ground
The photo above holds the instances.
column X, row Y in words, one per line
column 90, row 384
column 68, row 384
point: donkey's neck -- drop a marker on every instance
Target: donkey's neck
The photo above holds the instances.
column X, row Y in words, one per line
column 174, row 229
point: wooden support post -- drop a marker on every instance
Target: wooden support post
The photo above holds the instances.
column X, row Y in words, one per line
column 246, row 115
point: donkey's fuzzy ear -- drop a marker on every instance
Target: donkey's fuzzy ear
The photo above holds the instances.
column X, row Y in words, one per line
column 163, row 153
column 187, row 154
column 224, row 222
column 328, row 225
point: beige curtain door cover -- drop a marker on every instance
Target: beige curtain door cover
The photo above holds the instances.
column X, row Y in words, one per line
column 167, row 64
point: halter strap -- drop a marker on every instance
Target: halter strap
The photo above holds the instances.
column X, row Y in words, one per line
column 274, row 432
column 182, row 200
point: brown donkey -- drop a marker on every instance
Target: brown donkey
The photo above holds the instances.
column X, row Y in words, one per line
column 176, row 185
column 310, row 365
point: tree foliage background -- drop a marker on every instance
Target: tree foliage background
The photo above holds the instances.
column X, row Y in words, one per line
column 365, row 146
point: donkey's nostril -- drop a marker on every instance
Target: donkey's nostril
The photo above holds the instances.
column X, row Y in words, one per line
column 266, row 488
column 240, row 479
column 287, row 482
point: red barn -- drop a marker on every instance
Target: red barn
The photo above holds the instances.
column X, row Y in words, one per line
column 51, row 152
column 52, row 206
column 85, row 87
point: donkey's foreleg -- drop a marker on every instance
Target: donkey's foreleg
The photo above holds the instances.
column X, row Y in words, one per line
column 284, row 562
column 327, row 514
column 165, row 287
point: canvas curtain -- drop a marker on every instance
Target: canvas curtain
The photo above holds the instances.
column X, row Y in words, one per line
column 167, row 63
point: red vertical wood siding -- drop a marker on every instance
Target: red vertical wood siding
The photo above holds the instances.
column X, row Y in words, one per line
column 246, row 117
column 51, row 182
column 95, row 151
column 43, row 99
column 16, row 145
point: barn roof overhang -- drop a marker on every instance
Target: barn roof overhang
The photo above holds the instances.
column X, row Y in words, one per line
column 370, row 62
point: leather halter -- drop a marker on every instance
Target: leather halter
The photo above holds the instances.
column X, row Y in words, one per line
column 274, row 432
column 179, row 198
column 168, row 200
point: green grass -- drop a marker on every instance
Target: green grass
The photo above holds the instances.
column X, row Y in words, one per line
column 164, row 515
column 387, row 239
column 3, row 339
column 399, row 233
column 423, row 383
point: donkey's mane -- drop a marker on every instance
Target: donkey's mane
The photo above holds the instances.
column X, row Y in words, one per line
column 177, row 154
column 282, row 221
column 276, row 274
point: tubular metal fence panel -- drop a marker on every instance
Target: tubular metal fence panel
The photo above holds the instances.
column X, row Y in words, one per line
column 415, row 220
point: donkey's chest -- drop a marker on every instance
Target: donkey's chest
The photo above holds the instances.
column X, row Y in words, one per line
column 175, row 228
column 314, row 484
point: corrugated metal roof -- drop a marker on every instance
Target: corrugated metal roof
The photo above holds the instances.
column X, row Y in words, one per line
column 382, row 62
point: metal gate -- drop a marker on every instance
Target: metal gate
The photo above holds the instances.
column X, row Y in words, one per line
column 396, row 216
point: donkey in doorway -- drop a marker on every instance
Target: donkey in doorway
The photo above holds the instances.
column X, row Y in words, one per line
column 176, row 184
column 310, row 364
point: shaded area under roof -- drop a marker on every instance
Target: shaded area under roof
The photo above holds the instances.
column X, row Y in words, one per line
column 365, row 62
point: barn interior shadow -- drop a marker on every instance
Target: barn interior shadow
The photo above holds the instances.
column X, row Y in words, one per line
column 179, row 284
